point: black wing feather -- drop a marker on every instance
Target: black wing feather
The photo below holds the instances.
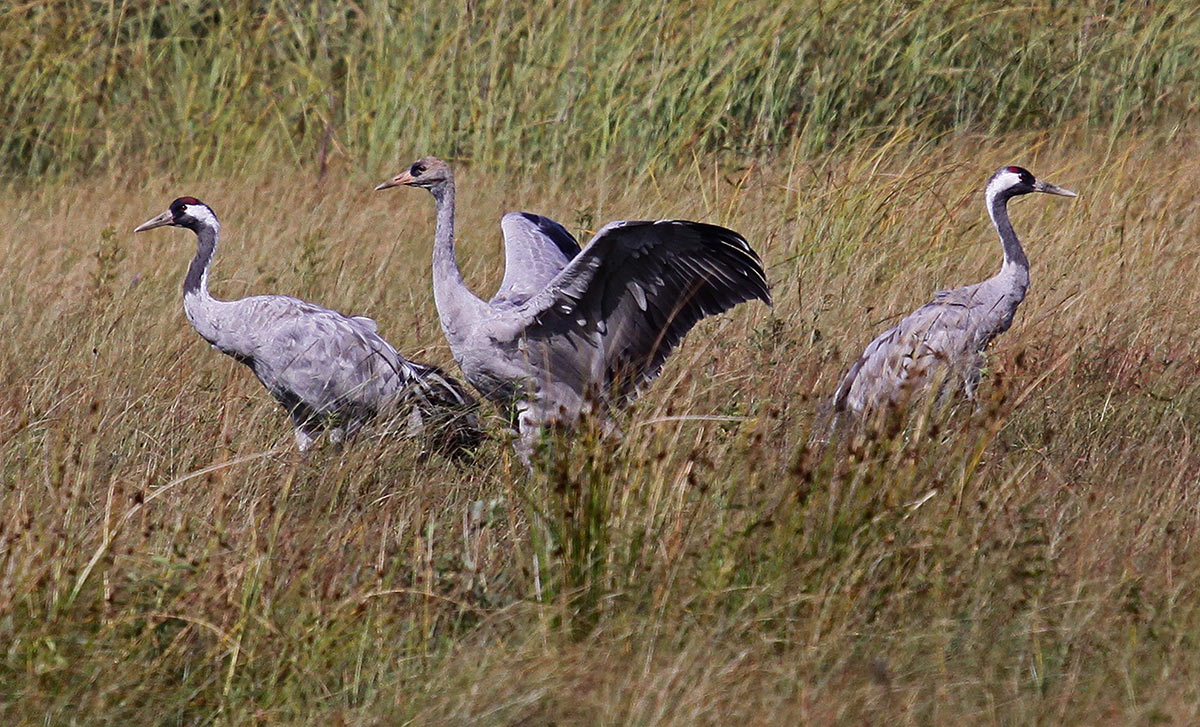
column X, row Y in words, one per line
column 685, row 271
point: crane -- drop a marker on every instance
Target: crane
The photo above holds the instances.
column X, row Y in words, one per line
column 570, row 328
column 953, row 330
column 329, row 371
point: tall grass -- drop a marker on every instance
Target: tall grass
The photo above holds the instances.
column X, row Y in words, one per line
column 166, row 559
column 566, row 89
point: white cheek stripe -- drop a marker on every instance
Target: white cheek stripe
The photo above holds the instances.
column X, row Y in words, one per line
column 1001, row 182
column 201, row 213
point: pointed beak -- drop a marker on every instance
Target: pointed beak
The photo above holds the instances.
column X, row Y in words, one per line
column 166, row 218
column 1048, row 188
column 401, row 178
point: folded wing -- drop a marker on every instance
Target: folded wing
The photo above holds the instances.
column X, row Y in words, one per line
column 903, row 358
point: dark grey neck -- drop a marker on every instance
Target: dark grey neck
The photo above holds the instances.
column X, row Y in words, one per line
column 1014, row 254
column 196, row 282
column 445, row 261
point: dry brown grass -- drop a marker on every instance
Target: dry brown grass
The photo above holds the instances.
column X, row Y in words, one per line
column 165, row 558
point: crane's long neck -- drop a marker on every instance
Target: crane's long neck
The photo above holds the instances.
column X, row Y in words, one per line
column 455, row 302
column 1016, row 265
column 204, row 311
column 445, row 262
column 195, row 285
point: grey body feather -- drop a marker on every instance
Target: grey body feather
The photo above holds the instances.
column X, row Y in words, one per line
column 951, row 332
column 329, row 371
column 570, row 328
column 536, row 248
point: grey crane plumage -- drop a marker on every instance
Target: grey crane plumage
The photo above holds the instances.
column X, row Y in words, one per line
column 951, row 332
column 570, row 327
column 329, row 371
column 536, row 248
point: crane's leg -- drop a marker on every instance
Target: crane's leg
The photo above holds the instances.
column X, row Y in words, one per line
column 336, row 435
column 304, row 440
column 414, row 425
column 529, row 431
column 972, row 375
column 306, row 429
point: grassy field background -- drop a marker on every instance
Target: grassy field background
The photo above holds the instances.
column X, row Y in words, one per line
column 165, row 558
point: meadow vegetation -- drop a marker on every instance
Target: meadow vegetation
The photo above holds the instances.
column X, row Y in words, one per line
column 166, row 558
column 548, row 89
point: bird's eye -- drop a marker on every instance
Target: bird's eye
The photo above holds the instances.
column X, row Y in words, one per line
column 417, row 170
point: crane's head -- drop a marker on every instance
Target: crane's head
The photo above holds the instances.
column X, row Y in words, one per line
column 184, row 212
column 1012, row 181
column 429, row 173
